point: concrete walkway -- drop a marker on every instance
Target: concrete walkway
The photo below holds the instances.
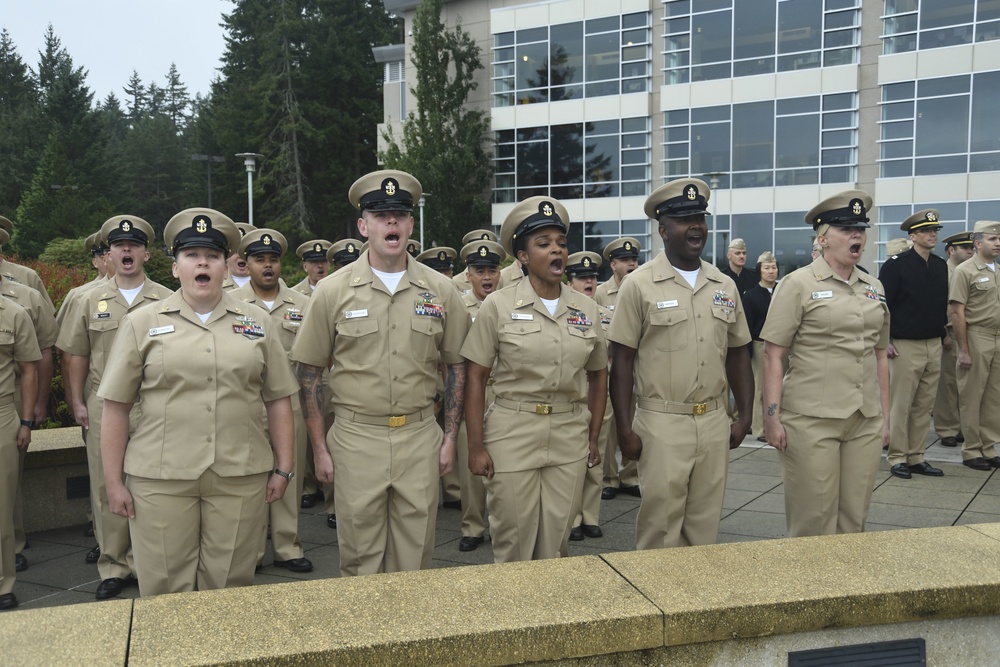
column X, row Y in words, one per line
column 754, row 510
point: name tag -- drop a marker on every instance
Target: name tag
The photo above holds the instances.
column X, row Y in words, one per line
column 823, row 295
column 666, row 304
column 522, row 316
column 984, row 279
column 161, row 330
column 351, row 314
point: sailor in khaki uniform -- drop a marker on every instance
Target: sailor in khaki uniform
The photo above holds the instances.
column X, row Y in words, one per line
column 974, row 296
column 236, row 266
column 262, row 249
column 18, row 273
column 461, row 280
column 385, row 322
column 344, row 252
column 86, row 337
column 439, row 258
column 315, row 263
column 482, row 260
column 678, row 334
column 413, row 248
column 947, row 419
column 581, row 273
column 829, row 415
column 18, row 346
column 205, row 368
column 551, row 366
column 622, row 255
column 96, row 247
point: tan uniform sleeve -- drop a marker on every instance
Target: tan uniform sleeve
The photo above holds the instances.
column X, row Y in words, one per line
column 123, row 374
column 784, row 314
column 456, row 327
column 45, row 323
column 599, row 355
column 626, row 325
column 959, row 289
column 313, row 344
column 483, row 341
column 25, row 340
column 279, row 381
column 73, row 335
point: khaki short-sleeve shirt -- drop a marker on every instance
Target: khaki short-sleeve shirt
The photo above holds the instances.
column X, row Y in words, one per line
column 976, row 286
column 18, row 342
column 538, row 357
column 385, row 348
column 461, row 282
column 286, row 311
column 681, row 336
column 41, row 317
column 832, row 328
column 509, row 275
column 27, row 276
column 303, row 287
column 606, row 293
column 202, row 387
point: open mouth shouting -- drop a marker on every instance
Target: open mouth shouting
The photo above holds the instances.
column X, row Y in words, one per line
column 556, row 267
column 855, row 250
column 202, row 279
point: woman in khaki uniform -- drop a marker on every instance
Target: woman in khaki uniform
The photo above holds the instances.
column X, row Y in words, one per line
column 205, row 366
column 550, row 382
column 831, row 417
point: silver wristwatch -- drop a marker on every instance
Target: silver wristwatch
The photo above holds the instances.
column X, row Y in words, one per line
column 286, row 475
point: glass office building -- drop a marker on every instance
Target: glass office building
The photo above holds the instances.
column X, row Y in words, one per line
column 776, row 103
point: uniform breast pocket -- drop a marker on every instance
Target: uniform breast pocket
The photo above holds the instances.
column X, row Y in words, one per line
column 985, row 290
column 521, row 342
column 6, row 339
column 722, row 319
column 357, row 343
column 669, row 329
column 102, row 333
column 425, row 336
column 581, row 344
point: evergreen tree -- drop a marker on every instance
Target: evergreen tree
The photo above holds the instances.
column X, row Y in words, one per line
column 21, row 133
column 176, row 100
column 136, row 98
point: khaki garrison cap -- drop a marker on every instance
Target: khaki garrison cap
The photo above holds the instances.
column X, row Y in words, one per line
column 623, row 248
column 766, row 257
column 261, row 241
column 846, row 209
column 583, row 264
column 126, row 228
column 986, row 227
column 680, row 198
column 344, row 251
column 483, row 252
column 897, row 246
column 440, row 259
column 922, row 221
column 532, row 214
column 386, row 190
column 202, row 227
column 962, row 238
column 413, row 247
column 737, row 244
column 313, row 250
column 479, row 235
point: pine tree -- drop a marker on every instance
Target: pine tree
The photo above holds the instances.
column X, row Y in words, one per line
column 176, row 100
column 136, row 98
column 21, row 133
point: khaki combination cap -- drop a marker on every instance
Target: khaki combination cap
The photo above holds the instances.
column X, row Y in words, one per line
column 414, row 247
column 846, row 209
column 962, row 238
column 6, row 224
column 126, row 228
column 922, row 221
column 680, row 198
column 624, row 248
column 93, row 244
column 261, row 241
column 440, row 258
column 479, row 235
column 583, row 264
column 530, row 215
column 737, row 244
column 897, row 246
column 245, row 228
column 202, row 227
column 344, row 251
column 483, row 252
column 4, row 236
column 313, row 250
column 986, row 227
column 364, row 246
column 385, row 190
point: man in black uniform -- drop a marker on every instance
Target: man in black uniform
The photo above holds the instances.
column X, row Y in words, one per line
column 744, row 278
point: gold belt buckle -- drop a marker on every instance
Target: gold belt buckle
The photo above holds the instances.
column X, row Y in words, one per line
column 397, row 421
column 700, row 408
column 491, row 380
column 543, row 409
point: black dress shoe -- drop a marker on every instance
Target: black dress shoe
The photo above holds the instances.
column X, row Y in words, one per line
column 901, row 470
column 608, row 493
column 88, row 531
column 960, row 437
column 93, row 556
column 331, row 521
column 631, row 490
column 453, row 504
column 994, row 461
column 978, row 463
column 469, row 543
column 591, row 531
column 112, row 587
column 7, row 601
column 925, row 468
column 308, row 500
column 949, row 441
column 295, row 564
column 576, row 535
column 20, row 563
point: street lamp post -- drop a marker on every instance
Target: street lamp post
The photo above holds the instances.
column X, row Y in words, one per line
column 208, row 160
column 713, row 182
column 250, row 161
column 420, row 203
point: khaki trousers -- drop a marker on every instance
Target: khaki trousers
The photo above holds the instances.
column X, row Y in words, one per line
column 196, row 534
column 682, row 474
column 8, row 487
column 618, row 470
column 913, row 380
column 20, row 538
column 473, row 491
column 283, row 514
column 589, row 510
column 979, row 395
column 531, row 511
column 110, row 529
column 829, row 469
column 386, row 493
column 947, row 420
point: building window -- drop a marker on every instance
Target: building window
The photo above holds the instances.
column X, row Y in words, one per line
column 608, row 158
column 930, row 24
column 794, row 141
column 598, row 234
column 784, row 233
column 954, row 217
column 604, row 56
column 940, row 126
column 720, row 39
column 395, row 72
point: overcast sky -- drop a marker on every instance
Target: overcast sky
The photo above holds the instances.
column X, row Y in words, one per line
column 110, row 38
